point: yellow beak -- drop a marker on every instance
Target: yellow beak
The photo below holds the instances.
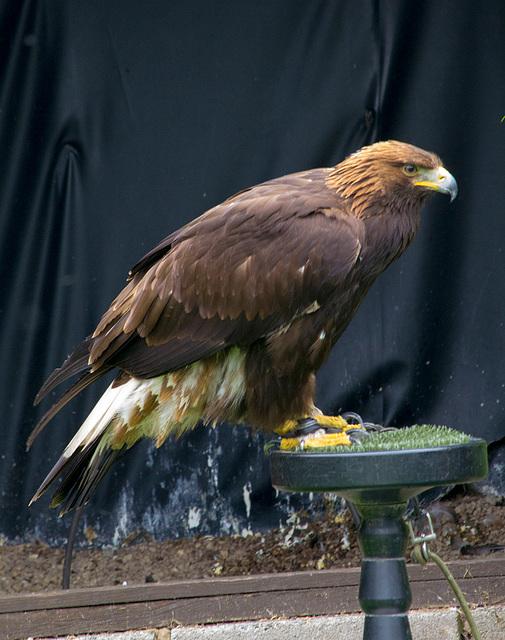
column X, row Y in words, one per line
column 439, row 180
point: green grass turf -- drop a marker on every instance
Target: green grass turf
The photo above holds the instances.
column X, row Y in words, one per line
column 415, row 437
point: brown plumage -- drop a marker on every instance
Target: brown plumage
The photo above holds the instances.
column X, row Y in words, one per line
column 230, row 317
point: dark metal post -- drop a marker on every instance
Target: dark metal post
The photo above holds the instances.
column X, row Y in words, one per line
column 384, row 591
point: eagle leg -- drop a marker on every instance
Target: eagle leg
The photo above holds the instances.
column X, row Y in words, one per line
column 320, row 430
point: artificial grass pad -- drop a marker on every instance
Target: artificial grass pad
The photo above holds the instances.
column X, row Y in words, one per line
column 415, row 437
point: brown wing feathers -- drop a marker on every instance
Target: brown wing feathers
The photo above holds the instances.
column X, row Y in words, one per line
column 242, row 261
column 215, row 273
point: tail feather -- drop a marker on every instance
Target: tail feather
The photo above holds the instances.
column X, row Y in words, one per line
column 86, row 471
column 76, row 362
column 84, row 381
column 58, row 468
column 89, row 448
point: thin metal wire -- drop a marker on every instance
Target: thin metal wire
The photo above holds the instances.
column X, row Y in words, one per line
column 422, row 554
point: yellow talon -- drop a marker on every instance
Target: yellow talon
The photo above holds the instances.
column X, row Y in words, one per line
column 316, row 439
column 335, row 422
column 287, row 427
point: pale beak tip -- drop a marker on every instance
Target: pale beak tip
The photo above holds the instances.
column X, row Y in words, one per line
column 448, row 184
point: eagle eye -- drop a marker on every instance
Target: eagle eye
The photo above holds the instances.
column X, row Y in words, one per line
column 410, row 169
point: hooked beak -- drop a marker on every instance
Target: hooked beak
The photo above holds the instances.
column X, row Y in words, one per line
column 440, row 180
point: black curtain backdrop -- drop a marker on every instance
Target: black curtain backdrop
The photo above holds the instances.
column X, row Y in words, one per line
column 121, row 121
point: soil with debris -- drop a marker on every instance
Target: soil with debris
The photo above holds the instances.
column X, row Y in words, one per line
column 466, row 525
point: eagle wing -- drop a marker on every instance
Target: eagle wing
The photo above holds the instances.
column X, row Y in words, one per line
column 246, row 268
column 243, row 270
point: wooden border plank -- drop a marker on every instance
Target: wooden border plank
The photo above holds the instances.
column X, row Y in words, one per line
column 167, row 613
column 180, row 589
column 328, row 592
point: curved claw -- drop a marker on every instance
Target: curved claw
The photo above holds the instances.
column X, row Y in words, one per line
column 351, row 415
column 357, row 435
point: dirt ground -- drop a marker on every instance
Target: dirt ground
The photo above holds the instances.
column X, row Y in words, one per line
column 466, row 524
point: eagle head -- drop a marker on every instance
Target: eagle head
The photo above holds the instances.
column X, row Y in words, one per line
column 390, row 175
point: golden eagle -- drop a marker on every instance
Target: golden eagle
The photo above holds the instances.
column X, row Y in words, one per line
column 229, row 318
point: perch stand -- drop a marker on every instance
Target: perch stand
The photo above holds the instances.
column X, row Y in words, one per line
column 379, row 484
